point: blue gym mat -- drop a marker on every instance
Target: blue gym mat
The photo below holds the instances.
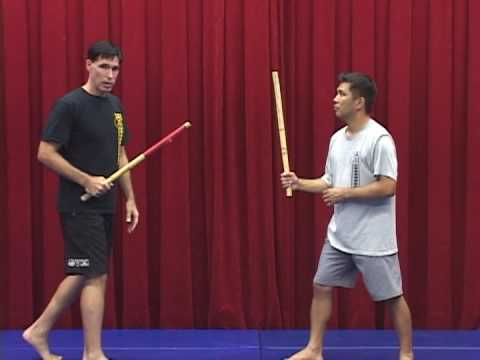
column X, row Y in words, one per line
column 248, row 344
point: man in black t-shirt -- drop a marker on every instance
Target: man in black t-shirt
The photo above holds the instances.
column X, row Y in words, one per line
column 84, row 142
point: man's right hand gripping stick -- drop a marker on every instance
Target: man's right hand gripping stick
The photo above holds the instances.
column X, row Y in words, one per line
column 131, row 164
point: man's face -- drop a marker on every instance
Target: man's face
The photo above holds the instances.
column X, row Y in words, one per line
column 345, row 103
column 103, row 74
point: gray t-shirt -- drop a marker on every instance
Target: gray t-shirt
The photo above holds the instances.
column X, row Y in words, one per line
column 362, row 226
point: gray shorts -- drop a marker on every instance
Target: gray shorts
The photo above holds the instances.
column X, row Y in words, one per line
column 381, row 274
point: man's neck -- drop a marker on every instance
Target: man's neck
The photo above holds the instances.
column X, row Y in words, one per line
column 91, row 90
column 357, row 123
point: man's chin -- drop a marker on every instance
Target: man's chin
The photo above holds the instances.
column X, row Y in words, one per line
column 341, row 118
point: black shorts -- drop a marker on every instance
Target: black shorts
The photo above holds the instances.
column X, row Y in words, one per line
column 88, row 243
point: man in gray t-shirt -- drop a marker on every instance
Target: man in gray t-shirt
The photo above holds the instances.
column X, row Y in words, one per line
column 360, row 183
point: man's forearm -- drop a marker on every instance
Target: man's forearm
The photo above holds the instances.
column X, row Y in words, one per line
column 381, row 188
column 312, row 185
column 126, row 180
column 54, row 161
column 127, row 187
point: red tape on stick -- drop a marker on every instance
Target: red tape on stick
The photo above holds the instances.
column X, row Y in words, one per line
column 131, row 164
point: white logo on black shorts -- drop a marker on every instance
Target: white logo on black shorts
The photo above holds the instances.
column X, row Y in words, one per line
column 78, row 263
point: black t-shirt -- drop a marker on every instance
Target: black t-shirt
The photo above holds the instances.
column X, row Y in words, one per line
column 90, row 130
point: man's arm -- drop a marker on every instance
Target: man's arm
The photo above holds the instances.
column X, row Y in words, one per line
column 383, row 187
column 132, row 214
column 49, row 156
column 309, row 185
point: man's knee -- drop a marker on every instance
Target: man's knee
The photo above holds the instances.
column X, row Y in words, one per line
column 322, row 290
column 97, row 279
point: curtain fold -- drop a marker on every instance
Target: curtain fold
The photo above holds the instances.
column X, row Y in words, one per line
column 219, row 245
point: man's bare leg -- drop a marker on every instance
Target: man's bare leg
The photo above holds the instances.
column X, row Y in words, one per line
column 37, row 334
column 402, row 321
column 92, row 307
column 320, row 313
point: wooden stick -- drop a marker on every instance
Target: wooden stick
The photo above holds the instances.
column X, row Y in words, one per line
column 281, row 127
column 131, row 164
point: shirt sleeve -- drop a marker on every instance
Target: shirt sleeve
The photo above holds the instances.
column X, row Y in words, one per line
column 59, row 125
column 385, row 158
column 327, row 176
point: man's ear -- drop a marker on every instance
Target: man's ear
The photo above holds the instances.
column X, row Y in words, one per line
column 360, row 102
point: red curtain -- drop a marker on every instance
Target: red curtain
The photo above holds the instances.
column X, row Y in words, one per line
column 219, row 245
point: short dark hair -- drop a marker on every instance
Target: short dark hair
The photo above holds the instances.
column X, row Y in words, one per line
column 104, row 49
column 361, row 85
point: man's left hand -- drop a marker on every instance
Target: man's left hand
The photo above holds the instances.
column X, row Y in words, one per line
column 132, row 215
column 334, row 195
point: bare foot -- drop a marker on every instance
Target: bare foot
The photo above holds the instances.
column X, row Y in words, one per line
column 406, row 356
column 100, row 356
column 39, row 342
column 307, row 354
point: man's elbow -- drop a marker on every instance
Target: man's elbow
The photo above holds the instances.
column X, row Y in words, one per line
column 45, row 151
column 389, row 186
column 391, row 190
column 41, row 155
